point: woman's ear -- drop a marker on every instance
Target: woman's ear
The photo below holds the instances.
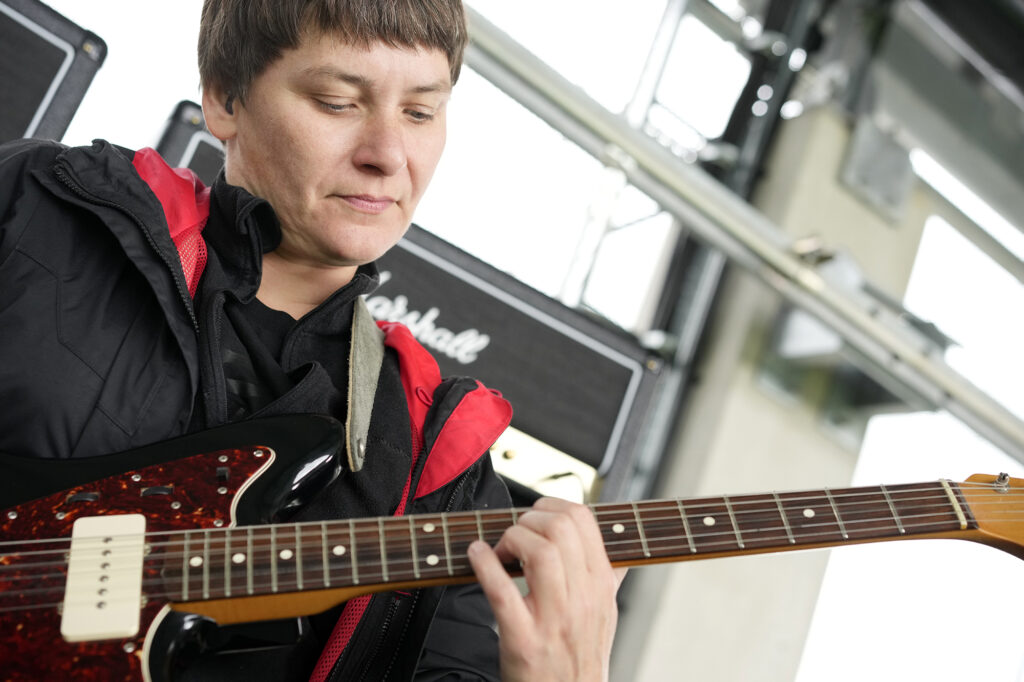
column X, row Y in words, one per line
column 219, row 110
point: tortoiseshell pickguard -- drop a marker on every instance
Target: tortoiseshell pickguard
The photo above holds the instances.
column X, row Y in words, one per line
column 190, row 493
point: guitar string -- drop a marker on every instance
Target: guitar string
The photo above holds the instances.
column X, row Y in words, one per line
column 817, row 497
column 287, row 573
column 648, row 519
column 466, row 530
column 470, row 532
column 466, row 533
column 693, row 512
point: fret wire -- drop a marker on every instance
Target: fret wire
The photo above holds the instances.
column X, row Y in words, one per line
column 785, row 519
column 383, row 550
column 227, row 564
column 248, row 560
column 479, row 525
column 640, row 530
column 956, row 504
column 447, row 543
column 184, row 568
column 895, row 516
column 273, row 558
column 686, row 527
column 732, row 518
column 298, row 556
column 835, row 510
column 352, row 548
column 206, row 565
column 323, row 552
column 415, row 553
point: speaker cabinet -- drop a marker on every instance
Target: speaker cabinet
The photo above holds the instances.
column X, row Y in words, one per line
column 46, row 65
column 186, row 143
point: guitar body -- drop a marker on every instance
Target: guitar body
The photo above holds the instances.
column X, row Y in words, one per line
column 194, row 482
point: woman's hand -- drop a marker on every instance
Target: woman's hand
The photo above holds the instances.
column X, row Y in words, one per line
column 562, row 630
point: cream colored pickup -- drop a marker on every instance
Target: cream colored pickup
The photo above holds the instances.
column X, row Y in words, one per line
column 104, row 588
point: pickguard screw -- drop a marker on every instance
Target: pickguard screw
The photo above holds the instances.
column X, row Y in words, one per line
column 258, row 453
column 60, row 516
column 12, row 515
column 175, row 505
column 136, row 477
column 218, row 523
column 129, row 647
column 222, row 458
column 222, row 490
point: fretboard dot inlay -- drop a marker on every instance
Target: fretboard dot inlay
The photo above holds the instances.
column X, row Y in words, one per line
column 809, row 513
column 338, row 550
column 429, row 528
column 238, row 558
column 286, row 554
column 433, row 560
column 195, row 561
column 709, row 520
column 618, row 528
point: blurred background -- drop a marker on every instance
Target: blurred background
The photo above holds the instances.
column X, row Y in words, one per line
column 707, row 247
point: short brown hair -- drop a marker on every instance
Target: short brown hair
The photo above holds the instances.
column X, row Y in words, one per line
column 238, row 39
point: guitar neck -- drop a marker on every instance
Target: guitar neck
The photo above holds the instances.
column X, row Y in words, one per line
column 351, row 557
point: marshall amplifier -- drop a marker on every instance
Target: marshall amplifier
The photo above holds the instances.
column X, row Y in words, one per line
column 576, row 385
column 46, row 65
column 186, row 143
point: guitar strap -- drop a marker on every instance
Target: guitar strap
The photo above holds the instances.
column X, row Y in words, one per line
column 365, row 357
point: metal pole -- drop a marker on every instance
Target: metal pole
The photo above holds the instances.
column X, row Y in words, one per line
column 743, row 234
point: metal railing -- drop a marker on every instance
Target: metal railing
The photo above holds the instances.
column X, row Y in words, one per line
column 749, row 239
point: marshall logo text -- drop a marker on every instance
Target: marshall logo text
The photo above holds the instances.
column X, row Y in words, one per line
column 464, row 346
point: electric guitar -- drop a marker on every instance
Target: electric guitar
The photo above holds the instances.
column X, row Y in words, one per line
column 96, row 553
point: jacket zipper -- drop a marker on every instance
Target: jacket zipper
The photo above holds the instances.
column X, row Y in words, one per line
column 388, row 617
column 417, row 448
column 447, row 509
column 178, row 278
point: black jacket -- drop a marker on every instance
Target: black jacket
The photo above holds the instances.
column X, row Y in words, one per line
column 104, row 349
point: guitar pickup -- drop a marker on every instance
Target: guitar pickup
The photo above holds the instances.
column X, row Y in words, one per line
column 104, row 586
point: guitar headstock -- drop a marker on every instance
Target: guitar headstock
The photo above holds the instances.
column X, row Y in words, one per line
column 997, row 505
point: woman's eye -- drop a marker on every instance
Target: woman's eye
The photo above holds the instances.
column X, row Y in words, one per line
column 420, row 116
column 332, row 108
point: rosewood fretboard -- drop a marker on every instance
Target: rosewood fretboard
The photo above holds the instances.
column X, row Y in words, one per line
column 227, row 563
